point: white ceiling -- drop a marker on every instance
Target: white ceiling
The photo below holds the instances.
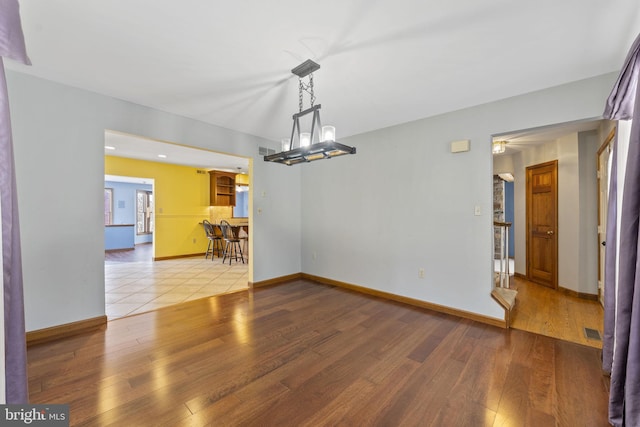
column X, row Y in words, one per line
column 383, row 62
column 523, row 139
column 136, row 147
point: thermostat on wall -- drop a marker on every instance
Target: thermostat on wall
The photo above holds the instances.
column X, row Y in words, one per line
column 460, row 146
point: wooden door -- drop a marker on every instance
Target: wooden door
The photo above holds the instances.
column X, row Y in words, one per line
column 604, row 164
column 542, row 224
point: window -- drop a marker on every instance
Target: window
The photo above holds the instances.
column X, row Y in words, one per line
column 144, row 211
column 241, row 209
column 108, row 206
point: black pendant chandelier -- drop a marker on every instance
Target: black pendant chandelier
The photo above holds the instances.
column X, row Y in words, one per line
column 320, row 142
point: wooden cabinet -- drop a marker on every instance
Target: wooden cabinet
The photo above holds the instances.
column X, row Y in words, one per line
column 222, row 188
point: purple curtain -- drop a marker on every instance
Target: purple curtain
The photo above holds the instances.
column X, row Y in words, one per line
column 11, row 46
column 621, row 347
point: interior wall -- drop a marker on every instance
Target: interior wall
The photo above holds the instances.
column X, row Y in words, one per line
column 503, row 163
column 405, row 202
column 588, row 180
column 568, row 213
column 58, row 133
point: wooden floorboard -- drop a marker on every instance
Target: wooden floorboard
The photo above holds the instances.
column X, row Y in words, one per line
column 552, row 313
column 307, row 354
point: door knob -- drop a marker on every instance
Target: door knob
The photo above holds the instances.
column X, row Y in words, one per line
column 550, row 232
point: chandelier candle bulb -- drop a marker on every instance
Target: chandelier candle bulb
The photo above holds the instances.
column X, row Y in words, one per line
column 328, row 133
column 286, row 144
column 305, row 139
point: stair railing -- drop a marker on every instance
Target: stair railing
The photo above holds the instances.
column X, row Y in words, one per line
column 503, row 252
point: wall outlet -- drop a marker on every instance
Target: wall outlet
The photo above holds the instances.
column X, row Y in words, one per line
column 314, row 255
column 421, row 273
column 194, row 240
column 477, row 210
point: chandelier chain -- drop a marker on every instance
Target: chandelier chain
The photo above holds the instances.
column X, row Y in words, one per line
column 302, row 87
column 313, row 97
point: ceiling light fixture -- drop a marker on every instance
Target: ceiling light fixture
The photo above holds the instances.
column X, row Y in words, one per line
column 506, row 176
column 499, row 147
column 320, row 141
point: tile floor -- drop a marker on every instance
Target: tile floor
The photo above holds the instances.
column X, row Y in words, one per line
column 140, row 286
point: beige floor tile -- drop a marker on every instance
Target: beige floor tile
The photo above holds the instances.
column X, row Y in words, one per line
column 171, row 298
column 141, row 298
column 112, row 297
column 166, row 288
column 186, row 288
column 133, row 288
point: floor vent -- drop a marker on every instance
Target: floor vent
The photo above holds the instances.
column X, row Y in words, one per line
column 592, row 334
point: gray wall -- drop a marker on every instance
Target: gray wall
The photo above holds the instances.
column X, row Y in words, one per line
column 357, row 227
column 339, row 219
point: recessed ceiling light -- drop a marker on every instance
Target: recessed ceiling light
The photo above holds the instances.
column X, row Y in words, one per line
column 162, row 156
column 108, row 147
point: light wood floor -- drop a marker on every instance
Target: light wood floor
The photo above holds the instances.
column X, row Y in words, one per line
column 552, row 313
column 305, row 354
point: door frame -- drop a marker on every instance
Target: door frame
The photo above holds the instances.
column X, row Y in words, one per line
column 607, row 144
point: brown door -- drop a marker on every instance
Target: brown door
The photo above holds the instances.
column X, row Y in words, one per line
column 542, row 224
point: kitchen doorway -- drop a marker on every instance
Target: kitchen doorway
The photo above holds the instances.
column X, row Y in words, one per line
column 174, row 268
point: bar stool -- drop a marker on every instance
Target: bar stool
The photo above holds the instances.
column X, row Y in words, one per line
column 215, row 241
column 231, row 243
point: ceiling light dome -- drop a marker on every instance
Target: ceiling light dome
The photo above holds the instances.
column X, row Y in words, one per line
column 499, row 147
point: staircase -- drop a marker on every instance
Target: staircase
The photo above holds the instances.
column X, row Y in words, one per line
column 501, row 292
column 507, row 299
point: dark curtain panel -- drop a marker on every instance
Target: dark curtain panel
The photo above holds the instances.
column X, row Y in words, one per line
column 622, row 315
column 11, row 46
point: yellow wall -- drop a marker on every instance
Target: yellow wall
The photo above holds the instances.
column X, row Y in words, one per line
column 181, row 203
column 242, row 179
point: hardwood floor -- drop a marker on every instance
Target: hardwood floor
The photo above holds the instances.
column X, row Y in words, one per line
column 141, row 253
column 549, row 312
column 305, row 354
